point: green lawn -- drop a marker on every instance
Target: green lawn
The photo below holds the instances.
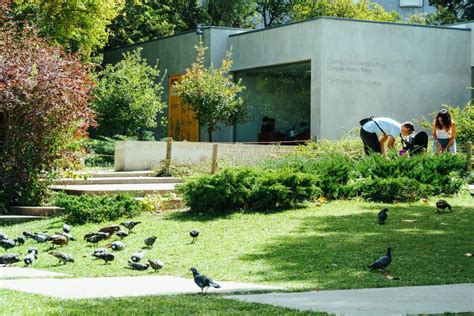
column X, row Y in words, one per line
column 314, row 248
column 17, row 303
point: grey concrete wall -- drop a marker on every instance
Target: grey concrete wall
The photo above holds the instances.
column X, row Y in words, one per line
column 389, row 70
column 134, row 156
column 365, row 68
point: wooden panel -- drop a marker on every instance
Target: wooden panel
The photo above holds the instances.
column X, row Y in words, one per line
column 182, row 122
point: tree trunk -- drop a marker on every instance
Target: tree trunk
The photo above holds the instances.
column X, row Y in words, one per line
column 209, row 132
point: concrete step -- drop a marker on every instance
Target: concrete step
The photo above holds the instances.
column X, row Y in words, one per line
column 13, row 219
column 471, row 189
column 35, row 210
column 113, row 174
column 109, row 189
column 116, row 180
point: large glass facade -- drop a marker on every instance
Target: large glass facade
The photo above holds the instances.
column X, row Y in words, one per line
column 280, row 103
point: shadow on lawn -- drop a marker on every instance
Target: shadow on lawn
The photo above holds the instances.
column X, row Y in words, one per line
column 334, row 251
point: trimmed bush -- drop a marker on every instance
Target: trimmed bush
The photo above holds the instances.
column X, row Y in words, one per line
column 388, row 190
column 248, row 189
column 90, row 208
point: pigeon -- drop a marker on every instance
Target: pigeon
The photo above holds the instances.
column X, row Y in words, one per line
column 203, row 281
column 100, row 250
column 59, row 240
column 383, row 216
column 7, row 244
column 150, row 241
column 40, row 237
column 156, row 264
column 68, row 235
column 67, row 228
column 136, row 257
column 106, row 256
column 138, row 266
column 117, row 245
column 110, row 230
column 31, row 256
column 62, row 257
column 94, row 238
column 9, row 258
column 442, row 204
column 122, row 234
column 130, row 225
column 195, row 234
column 382, row 262
column 19, row 240
column 27, row 234
column 4, row 236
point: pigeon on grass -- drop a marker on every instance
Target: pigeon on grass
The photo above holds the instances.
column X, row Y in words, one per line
column 203, row 281
column 382, row 216
column 382, row 262
column 443, row 205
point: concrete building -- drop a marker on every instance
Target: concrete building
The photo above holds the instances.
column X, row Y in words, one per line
column 406, row 8
column 328, row 72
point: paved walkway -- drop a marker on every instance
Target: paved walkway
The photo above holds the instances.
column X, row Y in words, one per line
column 17, row 272
column 76, row 288
column 436, row 299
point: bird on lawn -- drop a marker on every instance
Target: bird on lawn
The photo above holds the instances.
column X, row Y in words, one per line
column 94, row 238
column 59, row 240
column 156, row 264
column 68, row 235
column 99, row 250
column 7, row 244
column 138, row 256
column 203, row 281
column 27, row 234
column 150, row 241
column 116, row 245
column 40, row 237
column 130, row 225
column 4, row 236
column 122, row 234
column 9, row 259
column 382, row 216
column 31, row 256
column 106, row 256
column 138, row 266
column 443, row 204
column 382, row 262
column 62, row 257
column 110, row 230
column 67, row 228
column 20, row 240
column 195, row 234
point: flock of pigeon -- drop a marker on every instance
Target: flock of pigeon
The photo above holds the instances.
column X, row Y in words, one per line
column 383, row 262
column 135, row 262
column 104, row 254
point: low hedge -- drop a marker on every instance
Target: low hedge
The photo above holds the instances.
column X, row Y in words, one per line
column 90, row 208
column 248, row 189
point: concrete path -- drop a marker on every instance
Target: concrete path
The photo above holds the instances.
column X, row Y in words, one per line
column 436, row 299
column 16, row 272
column 118, row 286
column 101, row 189
column 471, row 189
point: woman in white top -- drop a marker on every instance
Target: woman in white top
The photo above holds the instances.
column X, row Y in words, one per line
column 444, row 133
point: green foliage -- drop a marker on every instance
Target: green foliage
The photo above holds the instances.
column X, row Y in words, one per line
column 388, row 190
column 235, row 13
column 248, row 189
column 361, row 10
column 95, row 209
column 451, row 11
column 44, row 97
column 275, row 12
column 78, row 26
column 212, row 94
column 348, row 146
column 127, row 97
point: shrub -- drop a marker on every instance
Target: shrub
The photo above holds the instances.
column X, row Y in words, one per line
column 43, row 107
column 331, row 171
column 349, row 146
column 127, row 97
column 388, row 190
column 248, row 189
column 90, row 208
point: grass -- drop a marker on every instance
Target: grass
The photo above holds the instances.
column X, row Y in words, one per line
column 323, row 247
column 28, row 304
